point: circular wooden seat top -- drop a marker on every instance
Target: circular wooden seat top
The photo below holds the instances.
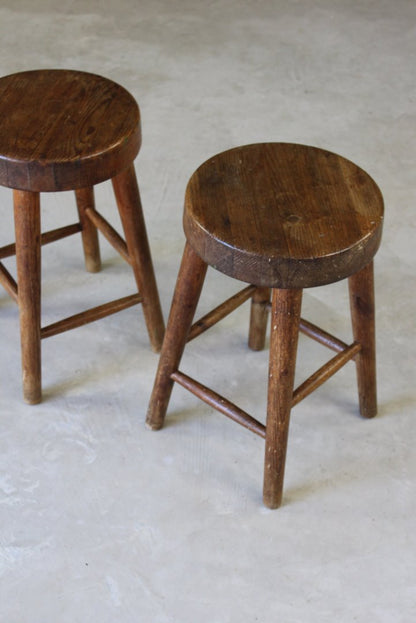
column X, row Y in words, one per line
column 283, row 215
column 62, row 130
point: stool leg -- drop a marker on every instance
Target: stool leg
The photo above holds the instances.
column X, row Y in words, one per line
column 85, row 199
column 129, row 205
column 258, row 318
column 285, row 317
column 361, row 287
column 185, row 300
column 27, row 228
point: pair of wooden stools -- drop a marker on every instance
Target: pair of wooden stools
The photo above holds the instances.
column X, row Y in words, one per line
column 280, row 217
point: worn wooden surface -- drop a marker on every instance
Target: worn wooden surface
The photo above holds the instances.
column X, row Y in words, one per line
column 260, row 302
column 220, row 312
column 283, row 215
column 129, row 205
column 185, row 300
column 27, row 228
column 361, row 287
column 285, row 318
column 68, row 130
column 85, row 201
column 64, row 129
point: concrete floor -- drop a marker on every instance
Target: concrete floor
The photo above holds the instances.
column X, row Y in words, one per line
column 102, row 520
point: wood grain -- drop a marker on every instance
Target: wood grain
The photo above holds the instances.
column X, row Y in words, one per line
column 85, row 201
column 280, row 217
column 220, row 312
column 63, row 130
column 219, row 403
column 129, row 206
column 185, row 300
column 260, row 302
column 285, row 318
column 283, row 215
column 46, row 238
column 361, row 287
column 27, row 228
column 69, row 130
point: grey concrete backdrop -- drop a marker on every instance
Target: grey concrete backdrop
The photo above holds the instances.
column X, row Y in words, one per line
column 102, row 520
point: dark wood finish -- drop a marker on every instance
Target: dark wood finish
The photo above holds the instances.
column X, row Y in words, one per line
column 129, row 205
column 27, row 229
column 258, row 318
column 317, row 334
column 285, row 318
column 185, row 300
column 221, row 404
column 8, row 283
column 282, row 215
column 220, row 312
column 325, row 372
column 63, row 130
column 46, row 238
column 361, row 287
column 90, row 315
column 321, row 336
column 85, row 201
column 109, row 233
column 69, row 130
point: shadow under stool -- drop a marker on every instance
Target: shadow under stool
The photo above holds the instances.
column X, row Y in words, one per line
column 69, row 130
column 281, row 217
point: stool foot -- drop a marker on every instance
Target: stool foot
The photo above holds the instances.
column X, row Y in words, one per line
column 129, row 205
column 85, row 200
column 258, row 318
column 185, row 300
column 361, row 288
column 27, row 228
column 285, row 318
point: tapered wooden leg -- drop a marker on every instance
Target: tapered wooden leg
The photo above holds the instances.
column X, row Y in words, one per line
column 259, row 313
column 185, row 299
column 27, row 228
column 128, row 200
column 361, row 287
column 285, row 317
column 85, row 200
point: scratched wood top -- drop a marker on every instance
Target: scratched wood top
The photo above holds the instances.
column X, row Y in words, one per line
column 283, row 215
column 63, row 129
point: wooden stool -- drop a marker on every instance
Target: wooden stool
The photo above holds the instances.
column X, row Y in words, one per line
column 282, row 217
column 69, row 130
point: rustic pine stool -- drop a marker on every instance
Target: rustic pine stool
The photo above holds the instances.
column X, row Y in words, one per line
column 69, row 130
column 282, row 217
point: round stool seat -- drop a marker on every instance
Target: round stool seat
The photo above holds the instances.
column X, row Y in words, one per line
column 63, row 130
column 283, row 215
column 69, row 130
